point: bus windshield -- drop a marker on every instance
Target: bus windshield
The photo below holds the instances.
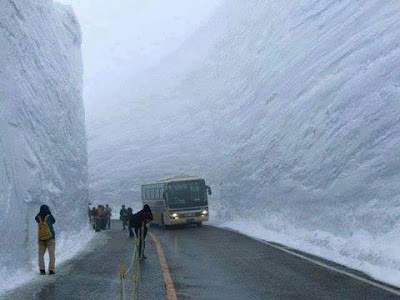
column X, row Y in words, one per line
column 187, row 194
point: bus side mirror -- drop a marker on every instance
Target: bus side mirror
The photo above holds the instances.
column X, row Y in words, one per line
column 209, row 190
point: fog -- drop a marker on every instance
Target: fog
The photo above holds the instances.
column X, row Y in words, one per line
column 124, row 38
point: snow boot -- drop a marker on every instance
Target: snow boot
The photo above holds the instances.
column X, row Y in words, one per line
column 51, row 273
column 42, row 272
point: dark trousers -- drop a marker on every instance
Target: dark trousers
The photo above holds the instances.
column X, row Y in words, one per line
column 130, row 231
column 104, row 223
column 124, row 222
column 141, row 233
column 98, row 224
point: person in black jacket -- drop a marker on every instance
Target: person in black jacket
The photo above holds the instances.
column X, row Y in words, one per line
column 123, row 216
column 129, row 216
column 108, row 214
column 139, row 221
column 46, row 238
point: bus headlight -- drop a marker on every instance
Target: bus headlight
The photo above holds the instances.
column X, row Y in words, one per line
column 175, row 216
column 204, row 212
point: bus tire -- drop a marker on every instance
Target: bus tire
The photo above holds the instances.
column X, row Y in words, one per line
column 199, row 224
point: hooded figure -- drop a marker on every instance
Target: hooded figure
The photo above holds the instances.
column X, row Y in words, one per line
column 46, row 238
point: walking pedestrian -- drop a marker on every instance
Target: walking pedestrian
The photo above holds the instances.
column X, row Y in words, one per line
column 108, row 214
column 46, row 239
column 123, row 216
column 101, row 218
column 139, row 222
column 93, row 217
column 129, row 221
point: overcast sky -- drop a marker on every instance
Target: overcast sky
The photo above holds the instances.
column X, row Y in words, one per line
column 121, row 38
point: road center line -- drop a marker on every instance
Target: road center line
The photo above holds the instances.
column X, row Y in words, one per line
column 169, row 284
column 319, row 263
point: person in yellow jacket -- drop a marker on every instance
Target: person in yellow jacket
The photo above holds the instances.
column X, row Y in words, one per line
column 46, row 239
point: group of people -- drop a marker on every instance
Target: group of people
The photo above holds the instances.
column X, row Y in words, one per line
column 136, row 223
column 100, row 217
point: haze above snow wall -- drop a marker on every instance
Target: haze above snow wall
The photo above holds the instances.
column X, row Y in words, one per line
column 43, row 156
column 291, row 112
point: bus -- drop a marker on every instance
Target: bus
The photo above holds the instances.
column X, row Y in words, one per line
column 178, row 200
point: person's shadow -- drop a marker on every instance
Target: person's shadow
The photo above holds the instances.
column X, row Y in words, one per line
column 47, row 293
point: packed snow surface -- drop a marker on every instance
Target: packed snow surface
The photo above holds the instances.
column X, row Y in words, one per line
column 290, row 110
column 43, row 157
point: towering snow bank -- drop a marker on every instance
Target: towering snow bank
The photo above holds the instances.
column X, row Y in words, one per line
column 291, row 111
column 43, row 155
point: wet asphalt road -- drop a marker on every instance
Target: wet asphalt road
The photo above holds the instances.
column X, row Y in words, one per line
column 205, row 263
column 211, row 263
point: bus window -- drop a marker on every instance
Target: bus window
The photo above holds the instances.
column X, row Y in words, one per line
column 187, row 194
column 195, row 193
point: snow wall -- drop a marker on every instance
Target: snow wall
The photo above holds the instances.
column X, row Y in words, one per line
column 291, row 112
column 43, row 155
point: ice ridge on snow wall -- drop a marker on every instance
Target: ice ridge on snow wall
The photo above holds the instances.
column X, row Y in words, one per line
column 43, row 156
column 291, row 111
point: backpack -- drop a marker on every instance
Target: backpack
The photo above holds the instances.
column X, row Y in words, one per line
column 44, row 232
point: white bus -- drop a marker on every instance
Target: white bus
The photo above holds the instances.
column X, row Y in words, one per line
column 176, row 201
